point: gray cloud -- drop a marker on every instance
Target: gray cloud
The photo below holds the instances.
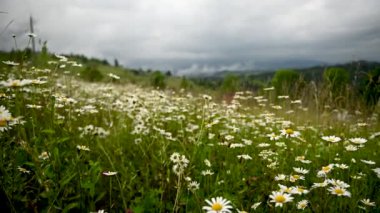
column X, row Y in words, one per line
column 202, row 35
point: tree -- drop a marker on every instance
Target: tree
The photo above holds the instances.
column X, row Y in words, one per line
column 158, row 80
column 285, row 81
column 370, row 88
column 185, row 83
column 230, row 83
column 336, row 80
column 116, row 63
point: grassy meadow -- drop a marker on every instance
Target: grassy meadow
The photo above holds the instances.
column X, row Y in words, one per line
column 70, row 145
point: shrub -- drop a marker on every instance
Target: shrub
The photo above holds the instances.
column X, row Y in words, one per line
column 91, row 73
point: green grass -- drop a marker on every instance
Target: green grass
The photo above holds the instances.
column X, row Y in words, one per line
column 135, row 130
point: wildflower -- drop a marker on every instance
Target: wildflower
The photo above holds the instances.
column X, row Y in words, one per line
column 245, row 157
column 180, row 163
column 299, row 190
column 109, row 173
column 377, row 171
column 268, row 89
column 229, row 137
column 23, row 170
column 175, row 157
column 113, row 76
column 283, row 97
column 263, row 145
column 339, row 183
column 273, row 136
column 207, row 97
column 100, row 132
column 5, row 118
column 320, row 185
column 367, row 202
column 369, row 162
column 290, row 133
column 33, row 106
column 302, row 159
column 255, row 205
column 11, row 63
column 14, row 83
column 280, row 177
column 280, row 198
column 272, row 165
column 327, row 169
column 82, row 147
column 358, row 140
column 236, row 145
column 207, row 172
column 211, row 136
column 207, row 162
column 302, row 204
column 301, row 170
column 332, row 139
column 296, row 102
column 351, row 148
column 247, row 142
column 218, row 205
column 374, row 135
column 44, row 156
column 280, row 144
column 294, row 178
column 285, row 189
column 193, row 186
column 339, row 191
column 341, row 166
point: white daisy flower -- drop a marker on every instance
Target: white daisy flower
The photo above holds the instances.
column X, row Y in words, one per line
column 332, row 139
column 369, row 162
column 280, row 198
column 358, row 140
column 339, row 191
column 301, row 170
column 367, row 202
column 302, row 204
column 218, row 205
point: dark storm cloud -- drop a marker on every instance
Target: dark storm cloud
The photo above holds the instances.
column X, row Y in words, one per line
column 200, row 35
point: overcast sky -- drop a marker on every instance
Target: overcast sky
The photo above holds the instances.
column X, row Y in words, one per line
column 199, row 35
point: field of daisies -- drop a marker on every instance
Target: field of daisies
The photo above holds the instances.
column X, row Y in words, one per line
column 69, row 145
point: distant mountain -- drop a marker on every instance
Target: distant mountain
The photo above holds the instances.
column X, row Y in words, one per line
column 315, row 68
column 239, row 69
column 288, row 64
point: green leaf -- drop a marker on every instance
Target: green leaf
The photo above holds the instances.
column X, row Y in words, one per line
column 70, row 206
column 66, row 180
column 63, row 140
column 48, row 131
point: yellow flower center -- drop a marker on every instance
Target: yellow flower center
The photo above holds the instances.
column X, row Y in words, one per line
column 326, row 168
column 3, row 122
column 296, row 177
column 339, row 191
column 289, row 131
column 15, row 83
column 280, row 199
column 217, row 206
